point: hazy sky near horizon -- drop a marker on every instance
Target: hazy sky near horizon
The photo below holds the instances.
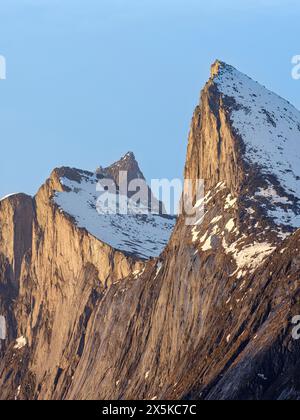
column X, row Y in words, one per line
column 89, row 80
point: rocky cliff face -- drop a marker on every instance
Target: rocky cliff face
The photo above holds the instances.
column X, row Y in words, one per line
column 52, row 275
column 209, row 317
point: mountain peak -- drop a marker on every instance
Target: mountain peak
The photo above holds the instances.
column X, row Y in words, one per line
column 216, row 67
column 127, row 163
column 219, row 67
column 129, row 156
column 269, row 130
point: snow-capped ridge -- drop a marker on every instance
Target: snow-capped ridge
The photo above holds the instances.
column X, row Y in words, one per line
column 139, row 232
column 269, row 128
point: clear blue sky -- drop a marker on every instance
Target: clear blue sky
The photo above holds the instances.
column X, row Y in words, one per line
column 88, row 80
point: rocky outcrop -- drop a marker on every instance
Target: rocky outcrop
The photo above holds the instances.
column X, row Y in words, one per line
column 127, row 163
column 135, row 180
column 210, row 317
column 52, row 275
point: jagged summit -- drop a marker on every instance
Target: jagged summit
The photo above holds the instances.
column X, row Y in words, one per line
column 268, row 124
column 269, row 129
column 126, row 163
column 138, row 233
column 216, row 67
column 244, row 143
column 129, row 156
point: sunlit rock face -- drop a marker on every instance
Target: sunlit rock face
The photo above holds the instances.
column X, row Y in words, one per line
column 89, row 316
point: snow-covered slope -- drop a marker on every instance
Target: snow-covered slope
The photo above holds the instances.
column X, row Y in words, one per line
column 270, row 129
column 142, row 235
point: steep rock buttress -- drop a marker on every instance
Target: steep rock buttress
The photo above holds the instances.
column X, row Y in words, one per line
column 210, row 317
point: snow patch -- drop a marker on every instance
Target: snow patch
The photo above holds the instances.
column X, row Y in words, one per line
column 138, row 273
column 203, row 238
column 251, row 256
column 18, row 392
column 158, row 269
column 250, row 211
column 230, row 202
column 195, row 234
column 207, row 245
column 20, row 343
column 216, row 220
column 230, row 225
column 271, row 193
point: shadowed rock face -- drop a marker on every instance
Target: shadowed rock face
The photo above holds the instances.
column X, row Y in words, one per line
column 210, row 318
column 16, row 217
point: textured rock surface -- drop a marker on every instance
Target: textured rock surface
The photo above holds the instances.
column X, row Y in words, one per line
column 209, row 319
column 52, row 275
